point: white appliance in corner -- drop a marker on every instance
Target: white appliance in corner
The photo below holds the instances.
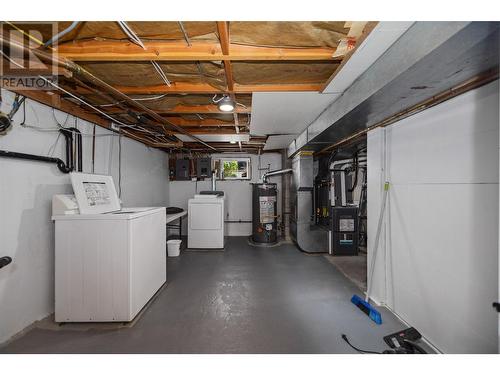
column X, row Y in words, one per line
column 206, row 212
column 108, row 265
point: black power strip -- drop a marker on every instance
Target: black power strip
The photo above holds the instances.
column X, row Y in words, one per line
column 402, row 342
column 409, row 334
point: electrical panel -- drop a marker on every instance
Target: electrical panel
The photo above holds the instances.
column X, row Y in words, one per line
column 182, row 169
column 203, row 167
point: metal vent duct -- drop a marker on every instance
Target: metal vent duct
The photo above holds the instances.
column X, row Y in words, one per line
column 429, row 58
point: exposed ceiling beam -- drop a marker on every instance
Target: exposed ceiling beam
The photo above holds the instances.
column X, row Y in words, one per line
column 185, row 109
column 149, row 142
column 229, row 76
column 225, row 145
column 210, row 108
column 222, row 143
column 33, row 72
column 226, row 149
column 203, row 88
column 218, row 131
column 193, row 123
column 82, row 73
column 114, row 51
column 55, row 101
column 223, row 30
column 277, row 87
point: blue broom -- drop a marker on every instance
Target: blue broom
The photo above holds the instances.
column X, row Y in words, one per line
column 364, row 305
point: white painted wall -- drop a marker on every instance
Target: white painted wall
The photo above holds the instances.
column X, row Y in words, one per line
column 238, row 193
column 438, row 264
column 26, row 189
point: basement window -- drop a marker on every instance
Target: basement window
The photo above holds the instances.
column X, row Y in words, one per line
column 233, row 168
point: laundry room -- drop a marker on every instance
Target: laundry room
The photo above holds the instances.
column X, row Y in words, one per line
column 197, row 183
column 237, row 190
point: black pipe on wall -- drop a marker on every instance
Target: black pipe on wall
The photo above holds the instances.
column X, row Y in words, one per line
column 68, row 135
column 78, row 139
column 18, row 155
column 67, row 167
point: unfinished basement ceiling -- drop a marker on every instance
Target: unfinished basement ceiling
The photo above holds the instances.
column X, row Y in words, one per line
column 139, row 74
column 177, row 69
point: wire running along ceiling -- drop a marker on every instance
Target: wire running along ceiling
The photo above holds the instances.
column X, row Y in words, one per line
column 196, row 82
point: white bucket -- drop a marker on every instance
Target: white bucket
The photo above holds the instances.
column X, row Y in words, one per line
column 174, row 247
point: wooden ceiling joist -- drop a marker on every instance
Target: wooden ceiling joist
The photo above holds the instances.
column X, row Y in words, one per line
column 223, row 30
column 223, row 145
column 205, row 109
column 53, row 100
column 204, row 88
column 197, row 123
column 185, row 109
column 114, row 51
column 150, row 142
column 159, row 114
column 223, row 131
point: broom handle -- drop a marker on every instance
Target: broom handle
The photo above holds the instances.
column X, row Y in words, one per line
column 377, row 238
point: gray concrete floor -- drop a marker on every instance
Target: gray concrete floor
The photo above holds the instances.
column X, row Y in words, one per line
column 242, row 300
column 353, row 267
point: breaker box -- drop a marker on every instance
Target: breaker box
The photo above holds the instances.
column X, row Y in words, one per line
column 203, row 167
column 182, row 169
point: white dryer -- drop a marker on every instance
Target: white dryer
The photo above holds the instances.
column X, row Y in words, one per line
column 206, row 213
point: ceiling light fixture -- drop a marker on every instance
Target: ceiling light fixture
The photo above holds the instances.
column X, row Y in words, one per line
column 232, row 142
column 225, row 104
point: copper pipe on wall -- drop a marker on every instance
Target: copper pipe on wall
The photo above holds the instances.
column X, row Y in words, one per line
column 452, row 92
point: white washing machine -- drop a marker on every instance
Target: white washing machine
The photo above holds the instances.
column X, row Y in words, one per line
column 206, row 214
column 109, row 261
column 108, row 266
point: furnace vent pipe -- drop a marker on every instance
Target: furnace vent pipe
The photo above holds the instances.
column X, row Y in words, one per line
column 275, row 173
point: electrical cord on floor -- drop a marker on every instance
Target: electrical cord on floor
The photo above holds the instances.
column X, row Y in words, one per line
column 4, row 261
column 407, row 347
column 344, row 337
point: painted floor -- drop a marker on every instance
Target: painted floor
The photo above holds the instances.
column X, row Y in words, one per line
column 242, row 300
column 353, row 267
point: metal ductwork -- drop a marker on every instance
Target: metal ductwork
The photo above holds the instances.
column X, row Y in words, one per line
column 306, row 236
column 428, row 59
